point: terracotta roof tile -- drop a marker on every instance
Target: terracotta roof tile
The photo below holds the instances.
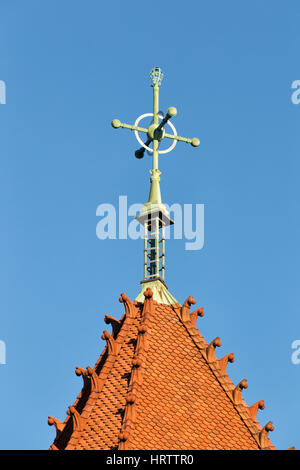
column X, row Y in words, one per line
column 159, row 385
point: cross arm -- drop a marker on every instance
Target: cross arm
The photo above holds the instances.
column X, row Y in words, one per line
column 116, row 124
column 170, row 113
column 194, row 141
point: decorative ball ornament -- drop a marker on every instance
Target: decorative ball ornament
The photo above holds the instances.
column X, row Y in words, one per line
column 172, row 112
column 116, row 123
column 195, row 142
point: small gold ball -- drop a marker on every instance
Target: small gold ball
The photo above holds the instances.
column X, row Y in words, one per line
column 116, row 123
column 195, row 142
column 172, row 112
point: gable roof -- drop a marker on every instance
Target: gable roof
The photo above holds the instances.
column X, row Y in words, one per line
column 159, row 385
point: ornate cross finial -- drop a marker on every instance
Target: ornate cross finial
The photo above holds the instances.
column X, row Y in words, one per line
column 154, row 216
column 155, row 132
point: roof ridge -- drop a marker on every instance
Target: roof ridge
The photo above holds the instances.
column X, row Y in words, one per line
column 218, row 367
column 97, row 376
column 137, row 373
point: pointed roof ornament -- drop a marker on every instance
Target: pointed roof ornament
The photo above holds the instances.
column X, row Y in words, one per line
column 154, row 216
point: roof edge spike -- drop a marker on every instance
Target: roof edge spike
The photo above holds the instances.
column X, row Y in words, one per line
column 130, row 308
column 237, row 392
column 148, row 307
column 199, row 312
column 210, row 351
column 94, row 379
column 76, row 418
column 83, row 373
column 115, row 324
column 185, row 309
column 110, row 342
column 148, row 293
column 223, row 362
column 260, row 405
column 89, row 376
column 59, row 426
column 263, row 435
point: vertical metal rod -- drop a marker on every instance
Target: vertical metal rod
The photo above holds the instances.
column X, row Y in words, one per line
column 145, row 251
column 155, row 121
column 157, row 248
column 155, row 103
column 163, row 253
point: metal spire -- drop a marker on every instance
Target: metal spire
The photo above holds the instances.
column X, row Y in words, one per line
column 154, row 216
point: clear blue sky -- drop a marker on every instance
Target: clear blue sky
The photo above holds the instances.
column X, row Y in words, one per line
column 70, row 67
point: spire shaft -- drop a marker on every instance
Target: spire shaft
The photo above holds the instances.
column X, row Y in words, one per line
column 154, row 215
column 152, row 219
column 155, row 122
column 155, row 194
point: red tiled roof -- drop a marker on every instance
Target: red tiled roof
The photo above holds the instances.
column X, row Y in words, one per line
column 158, row 385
